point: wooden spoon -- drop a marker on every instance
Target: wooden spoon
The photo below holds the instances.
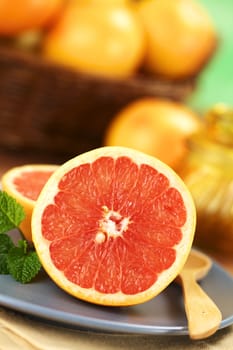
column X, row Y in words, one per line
column 203, row 315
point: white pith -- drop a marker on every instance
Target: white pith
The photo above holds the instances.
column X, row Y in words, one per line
column 112, row 225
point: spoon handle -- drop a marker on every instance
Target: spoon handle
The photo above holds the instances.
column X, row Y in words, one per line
column 203, row 315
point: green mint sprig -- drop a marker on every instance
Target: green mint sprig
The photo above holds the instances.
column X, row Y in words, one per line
column 11, row 213
column 21, row 260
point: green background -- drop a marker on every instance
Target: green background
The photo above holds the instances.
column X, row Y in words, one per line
column 215, row 83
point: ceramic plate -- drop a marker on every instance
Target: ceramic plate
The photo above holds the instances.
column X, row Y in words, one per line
column 162, row 315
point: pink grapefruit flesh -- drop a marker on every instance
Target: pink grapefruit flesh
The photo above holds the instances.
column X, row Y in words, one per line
column 113, row 226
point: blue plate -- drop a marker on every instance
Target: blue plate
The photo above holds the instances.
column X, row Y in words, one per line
column 162, row 315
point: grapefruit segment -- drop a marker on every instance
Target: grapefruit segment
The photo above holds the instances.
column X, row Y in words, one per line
column 24, row 183
column 113, row 226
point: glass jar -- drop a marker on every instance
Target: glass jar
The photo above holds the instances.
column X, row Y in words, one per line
column 208, row 173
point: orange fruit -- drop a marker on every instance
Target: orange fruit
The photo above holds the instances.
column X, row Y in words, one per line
column 157, row 127
column 113, row 226
column 180, row 36
column 24, row 183
column 28, row 15
column 99, row 37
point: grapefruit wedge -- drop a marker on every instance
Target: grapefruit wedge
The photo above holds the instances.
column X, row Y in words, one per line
column 24, row 183
column 113, row 226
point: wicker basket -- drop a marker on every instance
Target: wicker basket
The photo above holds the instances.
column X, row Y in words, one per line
column 46, row 107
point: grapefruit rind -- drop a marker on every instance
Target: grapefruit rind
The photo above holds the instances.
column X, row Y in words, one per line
column 90, row 294
column 7, row 182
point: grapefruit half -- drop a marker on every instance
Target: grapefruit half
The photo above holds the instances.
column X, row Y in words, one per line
column 113, row 226
column 24, row 183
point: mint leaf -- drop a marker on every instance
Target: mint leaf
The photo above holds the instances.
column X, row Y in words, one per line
column 11, row 213
column 21, row 261
column 23, row 265
column 5, row 246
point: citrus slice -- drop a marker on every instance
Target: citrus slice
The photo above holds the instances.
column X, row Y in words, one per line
column 113, row 226
column 24, row 183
